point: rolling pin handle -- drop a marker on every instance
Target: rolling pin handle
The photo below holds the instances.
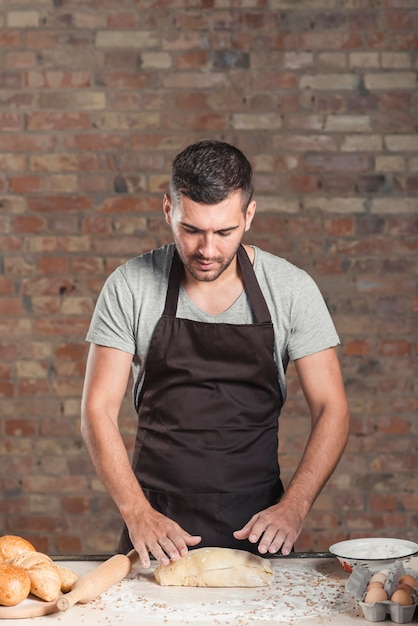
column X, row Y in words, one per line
column 63, row 604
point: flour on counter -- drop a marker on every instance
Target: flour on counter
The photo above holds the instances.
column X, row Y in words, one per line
column 297, row 591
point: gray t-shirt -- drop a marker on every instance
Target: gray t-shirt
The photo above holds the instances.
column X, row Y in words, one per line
column 133, row 297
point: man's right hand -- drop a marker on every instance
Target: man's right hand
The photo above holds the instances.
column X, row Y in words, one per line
column 152, row 532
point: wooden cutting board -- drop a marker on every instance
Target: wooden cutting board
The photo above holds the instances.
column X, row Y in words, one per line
column 31, row 607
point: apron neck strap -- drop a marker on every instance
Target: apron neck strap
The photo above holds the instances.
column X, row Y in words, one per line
column 250, row 281
column 252, row 287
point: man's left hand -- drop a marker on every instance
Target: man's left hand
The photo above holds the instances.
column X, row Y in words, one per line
column 276, row 528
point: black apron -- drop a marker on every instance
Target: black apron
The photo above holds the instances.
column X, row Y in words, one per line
column 206, row 451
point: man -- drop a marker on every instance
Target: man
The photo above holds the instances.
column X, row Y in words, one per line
column 209, row 326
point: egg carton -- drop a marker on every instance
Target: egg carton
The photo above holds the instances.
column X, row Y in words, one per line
column 377, row 612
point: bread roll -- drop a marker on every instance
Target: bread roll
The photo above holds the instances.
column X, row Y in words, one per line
column 11, row 546
column 216, row 567
column 44, row 577
column 68, row 578
column 14, row 584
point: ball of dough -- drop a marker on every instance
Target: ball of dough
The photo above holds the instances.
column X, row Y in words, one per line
column 14, row 584
column 216, row 567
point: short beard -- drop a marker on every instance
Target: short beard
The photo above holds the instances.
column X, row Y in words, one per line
column 212, row 277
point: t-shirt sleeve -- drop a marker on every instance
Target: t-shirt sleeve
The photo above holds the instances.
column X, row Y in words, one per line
column 312, row 328
column 112, row 323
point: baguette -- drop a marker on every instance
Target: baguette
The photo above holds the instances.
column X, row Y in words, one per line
column 12, row 545
column 14, row 584
column 44, row 576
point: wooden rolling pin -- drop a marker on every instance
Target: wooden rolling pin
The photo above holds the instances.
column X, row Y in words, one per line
column 85, row 589
column 91, row 585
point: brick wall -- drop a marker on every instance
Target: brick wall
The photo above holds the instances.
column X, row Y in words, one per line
column 96, row 97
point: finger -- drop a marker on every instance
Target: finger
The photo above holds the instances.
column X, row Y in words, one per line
column 244, row 532
column 187, row 540
column 287, row 546
column 169, row 547
column 159, row 554
column 276, row 543
column 143, row 556
column 267, row 539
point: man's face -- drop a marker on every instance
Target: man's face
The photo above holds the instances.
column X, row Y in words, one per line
column 207, row 236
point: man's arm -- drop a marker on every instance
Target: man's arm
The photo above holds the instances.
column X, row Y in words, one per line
column 106, row 380
column 280, row 525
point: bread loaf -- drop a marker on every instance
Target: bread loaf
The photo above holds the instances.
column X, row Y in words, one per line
column 216, row 567
column 14, row 584
column 11, row 546
column 68, row 578
column 44, row 576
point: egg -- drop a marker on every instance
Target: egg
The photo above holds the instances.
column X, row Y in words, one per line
column 375, row 595
column 406, row 588
column 409, row 580
column 379, row 577
column 375, row 585
column 402, row 597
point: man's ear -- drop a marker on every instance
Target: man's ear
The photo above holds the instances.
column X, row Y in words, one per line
column 167, row 208
column 250, row 214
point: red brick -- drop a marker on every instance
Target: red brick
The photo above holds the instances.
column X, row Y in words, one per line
column 23, row 142
column 53, row 265
column 10, row 244
column 76, row 505
column 6, row 286
column 337, row 163
column 69, row 544
column 96, row 142
column 6, row 389
column 25, row 184
column 130, row 205
column 357, row 347
column 175, row 121
column 21, row 428
column 11, row 121
column 93, row 183
column 29, row 388
column 124, row 80
column 330, row 41
column 27, row 525
column 59, row 203
column 303, row 184
column 10, row 38
column 276, row 80
column 340, row 226
column 71, row 351
column 396, row 347
column 11, row 306
column 59, row 121
column 192, row 59
column 58, row 80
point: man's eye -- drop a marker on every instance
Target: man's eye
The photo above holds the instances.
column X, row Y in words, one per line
column 224, row 233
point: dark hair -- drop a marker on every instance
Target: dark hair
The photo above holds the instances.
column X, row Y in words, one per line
column 209, row 171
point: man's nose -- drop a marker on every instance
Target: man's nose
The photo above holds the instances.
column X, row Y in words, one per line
column 206, row 247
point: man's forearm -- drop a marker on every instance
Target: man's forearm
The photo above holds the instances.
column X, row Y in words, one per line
column 321, row 456
column 111, row 462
